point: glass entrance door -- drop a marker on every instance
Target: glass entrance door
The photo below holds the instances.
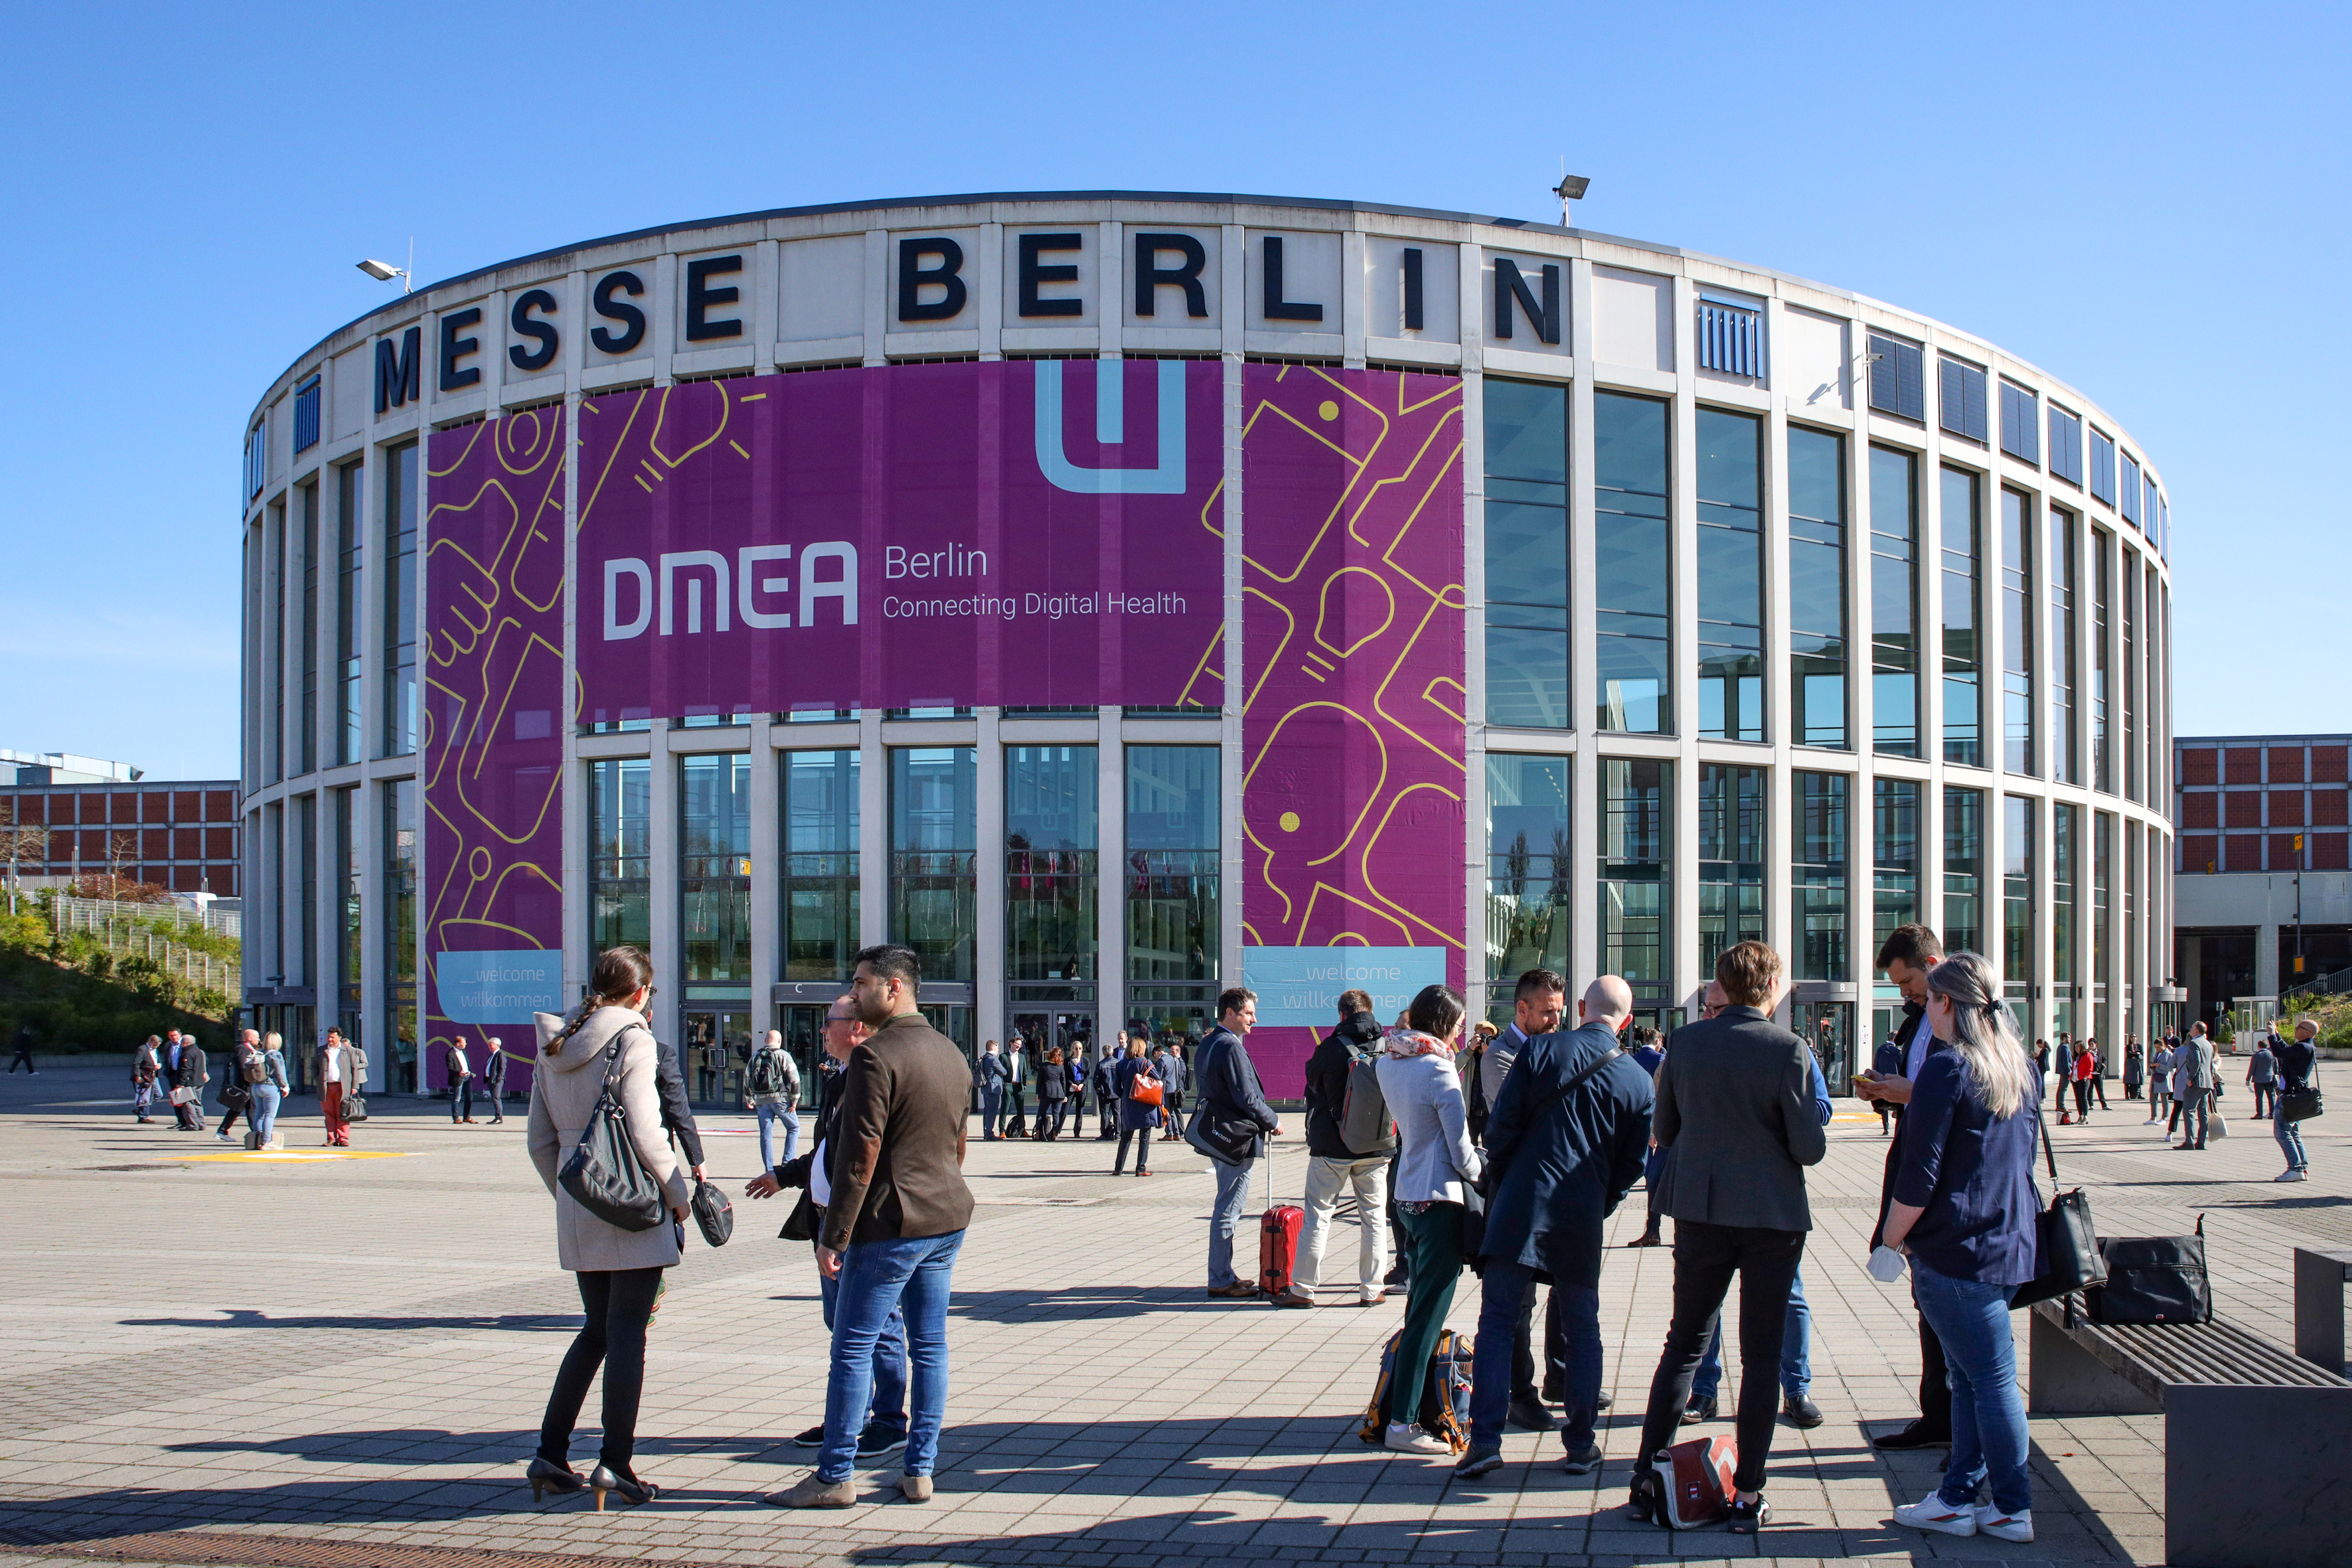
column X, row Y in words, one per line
column 803, row 1026
column 1064, row 1027
column 1828, row 1027
column 718, row 1047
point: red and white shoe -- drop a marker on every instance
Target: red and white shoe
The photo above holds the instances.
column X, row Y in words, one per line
column 1932, row 1513
column 2018, row 1526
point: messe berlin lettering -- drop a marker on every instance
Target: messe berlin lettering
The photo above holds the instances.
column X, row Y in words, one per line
column 755, row 544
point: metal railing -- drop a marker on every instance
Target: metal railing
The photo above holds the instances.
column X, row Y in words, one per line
column 70, row 913
column 128, row 931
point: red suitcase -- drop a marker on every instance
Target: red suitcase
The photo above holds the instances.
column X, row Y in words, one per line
column 1277, row 1239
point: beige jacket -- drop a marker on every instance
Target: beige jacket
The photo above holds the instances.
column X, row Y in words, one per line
column 564, row 1093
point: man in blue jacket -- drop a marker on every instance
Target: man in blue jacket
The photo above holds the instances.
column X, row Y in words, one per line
column 1232, row 1124
column 1564, row 1145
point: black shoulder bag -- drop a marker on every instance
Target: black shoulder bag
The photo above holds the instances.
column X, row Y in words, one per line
column 2066, row 1244
column 605, row 1175
column 2152, row 1279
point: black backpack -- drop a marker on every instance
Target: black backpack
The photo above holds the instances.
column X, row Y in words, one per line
column 767, row 1073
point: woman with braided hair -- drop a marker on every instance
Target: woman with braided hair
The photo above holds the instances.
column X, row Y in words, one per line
column 620, row 1271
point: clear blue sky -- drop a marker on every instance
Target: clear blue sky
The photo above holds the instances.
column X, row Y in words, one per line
column 2147, row 201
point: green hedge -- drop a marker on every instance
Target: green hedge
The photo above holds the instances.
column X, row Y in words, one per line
column 72, row 1008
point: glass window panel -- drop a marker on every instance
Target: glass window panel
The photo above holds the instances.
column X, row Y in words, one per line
column 2102, row 582
column 1526, row 554
column 2017, row 967
column 1526, row 430
column 1731, row 855
column 714, row 867
column 400, row 852
column 1963, row 869
column 1895, row 854
column 1817, row 632
column 2065, row 658
column 1895, row 601
column 351, row 526
column 1632, row 562
column 1636, row 875
column 1174, row 887
column 1528, row 874
column 1051, row 820
column 934, row 836
column 1527, row 677
column 2017, row 632
column 1962, row 568
column 1817, row 871
column 822, row 880
column 1730, row 576
column 400, row 692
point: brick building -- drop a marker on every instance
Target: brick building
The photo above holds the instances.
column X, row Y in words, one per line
column 2264, row 826
column 181, row 835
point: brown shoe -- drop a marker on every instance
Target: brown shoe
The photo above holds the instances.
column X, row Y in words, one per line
column 916, row 1488
column 1647, row 1239
column 1239, row 1290
column 1292, row 1298
column 811, row 1492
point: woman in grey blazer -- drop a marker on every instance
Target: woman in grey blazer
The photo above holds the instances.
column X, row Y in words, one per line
column 1735, row 1106
column 619, row 1271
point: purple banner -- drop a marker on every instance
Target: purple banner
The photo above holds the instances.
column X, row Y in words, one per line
column 1354, row 632
column 494, row 718
column 1021, row 533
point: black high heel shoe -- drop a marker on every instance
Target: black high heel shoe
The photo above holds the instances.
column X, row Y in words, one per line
column 545, row 1475
column 1648, row 1499
column 604, row 1479
column 1748, row 1518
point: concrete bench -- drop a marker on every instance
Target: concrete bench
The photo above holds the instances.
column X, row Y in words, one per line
column 2319, row 1278
column 2257, row 1441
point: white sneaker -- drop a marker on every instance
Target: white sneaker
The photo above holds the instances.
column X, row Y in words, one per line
column 2018, row 1526
column 1931, row 1513
column 2292, row 1176
column 1405, row 1437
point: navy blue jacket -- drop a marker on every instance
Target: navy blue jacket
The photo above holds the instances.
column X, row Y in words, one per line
column 1233, row 1117
column 1133, row 1114
column 1973, row 1174
column 1559, row 1168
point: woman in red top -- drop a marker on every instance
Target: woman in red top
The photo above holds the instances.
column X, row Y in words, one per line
column 2086, row 1068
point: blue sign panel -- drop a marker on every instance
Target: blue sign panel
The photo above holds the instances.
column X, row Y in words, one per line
column 1301, row 986
column 501, row 987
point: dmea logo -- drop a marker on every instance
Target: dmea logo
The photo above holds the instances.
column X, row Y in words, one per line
column 757, row 596
column 1166, row 478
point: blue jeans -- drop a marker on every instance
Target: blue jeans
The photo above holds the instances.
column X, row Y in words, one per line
column 1988, row 1439
column 1232, row 1194
column 263, row 1117
column 1796, row 1351
column 2290, row 1142
column 770, row 1117
column 1490, row 1372
column 879, row 1280
column 885, row 1408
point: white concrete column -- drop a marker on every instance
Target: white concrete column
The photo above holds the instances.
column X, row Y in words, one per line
column 873, row 831
column 663, row 804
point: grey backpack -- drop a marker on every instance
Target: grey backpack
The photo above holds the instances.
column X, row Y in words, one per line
column 1365, row 1126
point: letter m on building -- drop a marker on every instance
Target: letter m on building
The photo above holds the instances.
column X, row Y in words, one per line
column 398, row 375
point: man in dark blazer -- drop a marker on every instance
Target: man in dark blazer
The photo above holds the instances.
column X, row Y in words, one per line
column 1908, row 953
column 1565, row 1143
column 191, row 1076
column 1736, row 1105
column 1233, row 1122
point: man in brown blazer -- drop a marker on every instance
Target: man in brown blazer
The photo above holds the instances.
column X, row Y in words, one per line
column 895, row 1212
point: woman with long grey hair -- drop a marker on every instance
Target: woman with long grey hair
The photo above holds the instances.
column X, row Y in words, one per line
column 1963, row 1211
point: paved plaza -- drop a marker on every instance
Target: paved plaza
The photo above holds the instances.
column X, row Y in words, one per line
column 312, row 1361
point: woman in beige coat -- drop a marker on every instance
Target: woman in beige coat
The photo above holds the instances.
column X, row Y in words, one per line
column 619, row 1271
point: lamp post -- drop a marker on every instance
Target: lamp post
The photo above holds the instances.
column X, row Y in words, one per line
column 1571, row 188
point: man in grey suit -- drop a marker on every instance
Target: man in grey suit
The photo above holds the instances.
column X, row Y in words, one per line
column 1736, row 1104
column 2195, row 1061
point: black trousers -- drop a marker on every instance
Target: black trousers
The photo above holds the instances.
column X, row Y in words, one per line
column 1523, row 1355
column 1935, row 1382
column 2082, row 1098
column 617, row 1302
column 1705, row 1258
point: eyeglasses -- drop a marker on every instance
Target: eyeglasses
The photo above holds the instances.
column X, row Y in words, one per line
column 833, row 1018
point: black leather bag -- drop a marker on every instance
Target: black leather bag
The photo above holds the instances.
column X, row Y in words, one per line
column 604, row 1174
column 2152, row 1279
column 2300, row 1105
column 2066, row 1244
column 713, row 1213
column 354, row 1109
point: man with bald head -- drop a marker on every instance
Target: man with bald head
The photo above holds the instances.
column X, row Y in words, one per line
column 1564, row 1144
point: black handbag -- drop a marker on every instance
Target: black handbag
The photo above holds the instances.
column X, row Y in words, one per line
column 354, row 1109
column 2300, row 1105
column 604, row 1174
column 2152, row 1279
column 2066, row 1244
column 713, row 1213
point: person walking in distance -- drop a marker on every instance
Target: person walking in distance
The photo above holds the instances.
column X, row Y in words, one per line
column 895, row 1220
column 23, row 1056
column 884, row 1435
column 236, row 1086
column 494, row 1077
column 1335, row 1166
column 618, row 1271
column 2262, row 1074
column 991, row 1074
column 269, row 1092
column 146, row 1067
column 2099, row 1069
column 1909, row 954
column 1436, row 1168
column 771, row 1091
column 2298, row 1073
column 1170, row 1065
column 1136, row 1120
column 1235, row 1122
column 461, row 1083
column 1964, row 1214
column 2196, row 1086
column 1735, row 1102
column 1538, row 1007
column 340, row 1075
column 2160, row 1079
column 2135, row 1069
column 1568, row 1135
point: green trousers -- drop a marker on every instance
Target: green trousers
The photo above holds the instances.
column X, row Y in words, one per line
column 1435, row 1238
